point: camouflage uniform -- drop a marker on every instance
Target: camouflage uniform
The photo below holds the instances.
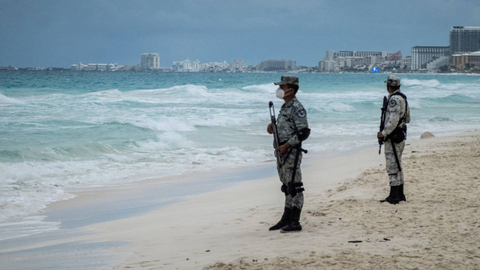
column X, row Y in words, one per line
column 396, row 110
column 292, row 117
column 292, row 127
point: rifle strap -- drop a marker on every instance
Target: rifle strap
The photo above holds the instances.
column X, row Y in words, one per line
column 404, row 117
column 396, row 156
column 297, row 155
column 286, row 156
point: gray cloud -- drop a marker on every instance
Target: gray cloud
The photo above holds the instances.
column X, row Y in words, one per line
column 59, row 33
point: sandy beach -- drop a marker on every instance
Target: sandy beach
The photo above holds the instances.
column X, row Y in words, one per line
column 437, row 228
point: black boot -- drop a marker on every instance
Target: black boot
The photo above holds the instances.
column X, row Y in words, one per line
column 287, row 214
column 394, row 197
column 400, row 193
column 389, row 195
column 294, row 224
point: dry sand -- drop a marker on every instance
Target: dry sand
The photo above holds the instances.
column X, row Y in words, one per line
column 437, row 228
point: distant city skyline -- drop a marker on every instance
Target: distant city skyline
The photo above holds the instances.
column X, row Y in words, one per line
column 58, row 33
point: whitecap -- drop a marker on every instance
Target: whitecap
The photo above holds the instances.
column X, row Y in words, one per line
column 105, row 93
column 9, row 100
column 168, row 140
column 440, row 119
column 416, row 82
column 169, row 90
column 414, row 104
column 167, row 124
column 340, row 107
column 263, row 88
column 227, row 120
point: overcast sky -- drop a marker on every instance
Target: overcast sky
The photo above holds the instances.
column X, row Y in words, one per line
column 64, row 32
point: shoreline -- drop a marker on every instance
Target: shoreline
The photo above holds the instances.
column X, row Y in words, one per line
column 231, row 221
column 61, row 69
column 87, row 196
column 234, row 235
column 229, row 203
column 74, row 218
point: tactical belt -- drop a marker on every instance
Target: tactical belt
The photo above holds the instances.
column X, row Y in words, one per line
column 298, row 188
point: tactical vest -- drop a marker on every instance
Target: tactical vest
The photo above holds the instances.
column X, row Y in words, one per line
column 399, row 135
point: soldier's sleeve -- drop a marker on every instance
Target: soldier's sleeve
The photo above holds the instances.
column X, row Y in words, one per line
column 394, row 109
column 299, row 117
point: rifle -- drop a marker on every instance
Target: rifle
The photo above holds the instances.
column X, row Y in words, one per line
column 382, row 124
column 276, row 139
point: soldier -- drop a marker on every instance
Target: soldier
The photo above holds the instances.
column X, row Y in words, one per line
column 292, row 129
column 396, row 118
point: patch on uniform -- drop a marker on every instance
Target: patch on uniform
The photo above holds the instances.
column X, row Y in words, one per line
column 393, row 103
column 302, row 113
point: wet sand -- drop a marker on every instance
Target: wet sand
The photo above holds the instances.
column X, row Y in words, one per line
column 227, row 228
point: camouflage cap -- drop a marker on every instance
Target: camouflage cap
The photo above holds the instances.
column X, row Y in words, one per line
column 392, row 80
column 287, row 80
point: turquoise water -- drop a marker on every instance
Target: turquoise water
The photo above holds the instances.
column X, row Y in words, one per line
column 61, row 131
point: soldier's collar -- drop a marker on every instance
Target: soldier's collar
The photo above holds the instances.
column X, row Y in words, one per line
column 396, row 91
column 289, row 103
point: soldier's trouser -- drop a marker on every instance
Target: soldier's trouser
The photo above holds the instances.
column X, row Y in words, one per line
column 395, row 176
column 285, row 174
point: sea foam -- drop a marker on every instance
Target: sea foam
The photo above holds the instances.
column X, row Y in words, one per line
column 124, row 127
column 7, row 100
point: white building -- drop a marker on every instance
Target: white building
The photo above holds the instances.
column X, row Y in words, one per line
column 183, row 66
column 150, row 61
column 406, row 63
column 214, row 66
column 439, row 62
column 236, row 64
column 330, row 65
column 277, row 65
column 102, row 67
column 96, row 67
column 345, row 60
column 421, row 55
column 332, row 54
column 329, row 55
column 196, row 65
column 177, row 66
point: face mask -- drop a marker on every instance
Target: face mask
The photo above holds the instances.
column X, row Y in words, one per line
column 280, row 94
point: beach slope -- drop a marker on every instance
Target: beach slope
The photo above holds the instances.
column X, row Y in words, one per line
column 345, row 227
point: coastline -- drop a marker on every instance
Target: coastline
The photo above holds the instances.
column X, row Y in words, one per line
column 186, row 220
column 75, row 219
column 72, row 244
column 227, row 228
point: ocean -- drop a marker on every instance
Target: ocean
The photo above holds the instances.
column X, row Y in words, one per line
column 67, row 131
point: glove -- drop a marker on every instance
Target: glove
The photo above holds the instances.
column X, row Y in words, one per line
column 284, row 189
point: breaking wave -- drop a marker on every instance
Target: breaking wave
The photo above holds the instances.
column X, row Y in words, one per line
column 263, row 88
column 416, row 82
column 84, row 137
column 8, row 100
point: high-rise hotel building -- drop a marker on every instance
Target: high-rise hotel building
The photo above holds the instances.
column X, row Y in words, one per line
column 421, row 55
column 150, row 61
column 277, row 65
column 331, row 54
column 464, row 39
